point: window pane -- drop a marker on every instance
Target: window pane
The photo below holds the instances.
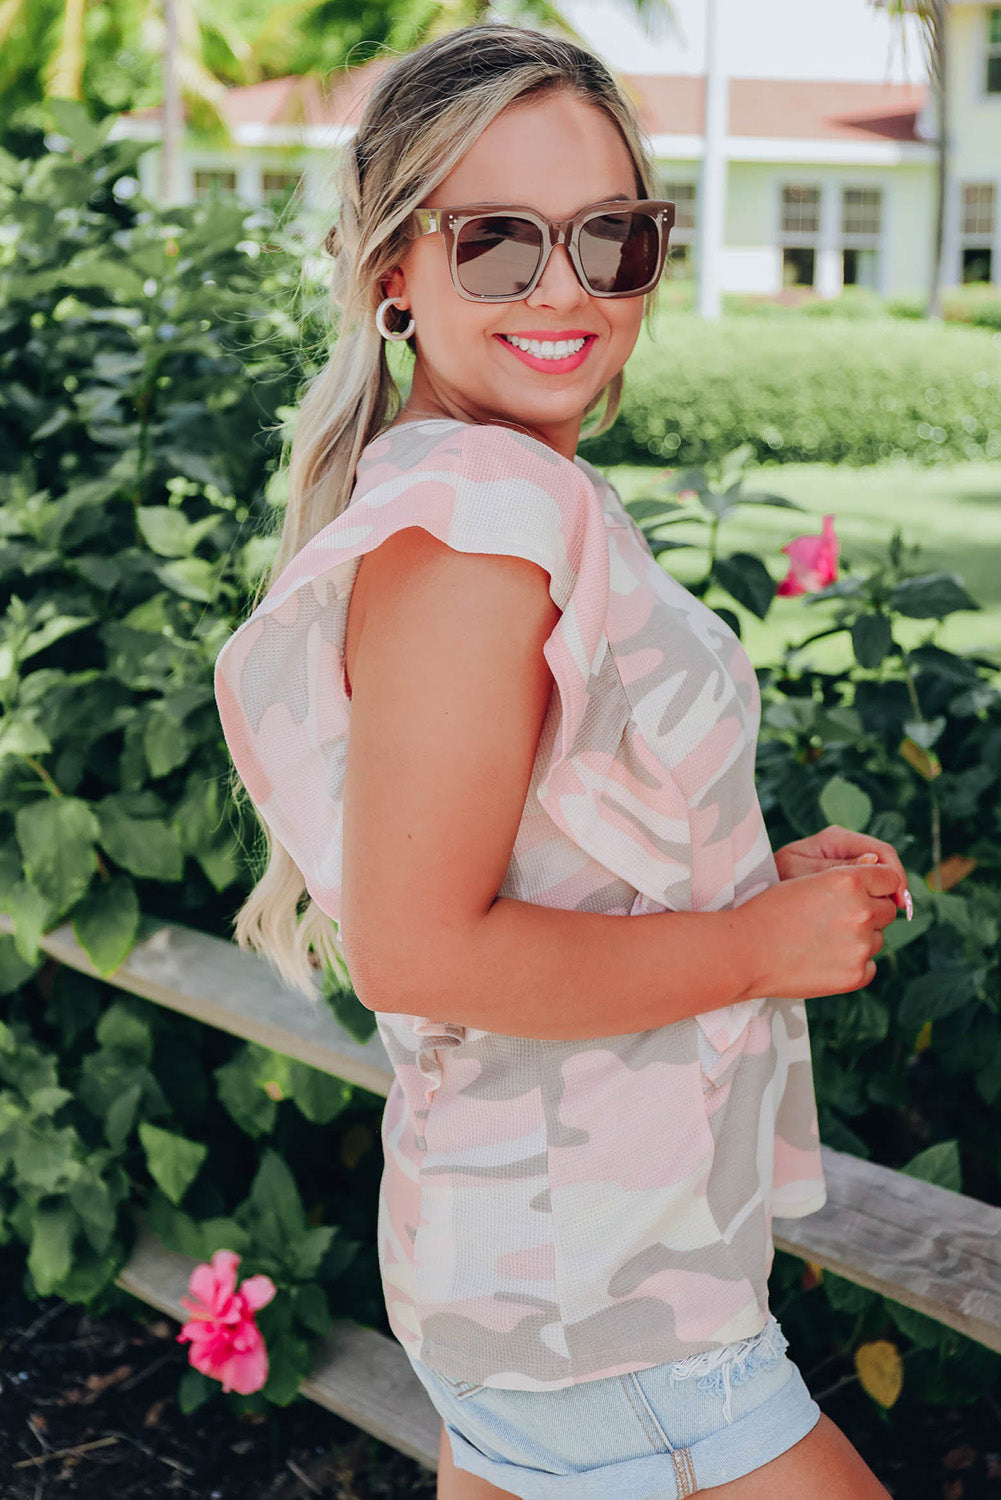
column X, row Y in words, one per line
column 977, row 264
column 213, row 180
column 800, row 210
column 859, row 268
column 994, row 74
column 680, row 261
column 861, row 210
column 279, row 184
column 682, row 195
column 994, row 26
column 978, row 208
column 797, row 266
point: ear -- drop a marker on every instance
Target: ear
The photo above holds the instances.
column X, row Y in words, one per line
column 394, row 285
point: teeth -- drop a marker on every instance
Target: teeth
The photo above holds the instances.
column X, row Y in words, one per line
column 546, row 349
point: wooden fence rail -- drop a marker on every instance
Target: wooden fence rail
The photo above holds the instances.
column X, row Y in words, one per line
column 930, row 1249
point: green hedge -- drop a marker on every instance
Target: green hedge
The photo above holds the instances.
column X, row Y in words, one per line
column 807, row 390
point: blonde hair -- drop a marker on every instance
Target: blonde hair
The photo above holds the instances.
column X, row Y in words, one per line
column 423, row 114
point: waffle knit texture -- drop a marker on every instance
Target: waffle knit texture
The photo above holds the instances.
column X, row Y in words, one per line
column 552, row 1212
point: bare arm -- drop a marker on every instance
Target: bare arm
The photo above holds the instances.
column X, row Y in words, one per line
column 449, row 693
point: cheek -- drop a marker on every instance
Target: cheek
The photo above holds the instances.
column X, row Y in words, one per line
column 627, row 316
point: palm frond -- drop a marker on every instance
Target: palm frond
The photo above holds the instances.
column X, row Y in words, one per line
column 64, row 75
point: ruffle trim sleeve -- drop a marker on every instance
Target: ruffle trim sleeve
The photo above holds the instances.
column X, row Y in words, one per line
column 280, row 683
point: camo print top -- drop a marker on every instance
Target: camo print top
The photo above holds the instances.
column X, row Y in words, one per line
column 551, row 1212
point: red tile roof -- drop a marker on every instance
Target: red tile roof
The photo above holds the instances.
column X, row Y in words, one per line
column 667, row 104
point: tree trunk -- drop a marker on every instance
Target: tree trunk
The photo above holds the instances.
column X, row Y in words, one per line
column 938, row 50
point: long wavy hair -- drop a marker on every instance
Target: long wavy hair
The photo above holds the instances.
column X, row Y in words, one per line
column 425, row 111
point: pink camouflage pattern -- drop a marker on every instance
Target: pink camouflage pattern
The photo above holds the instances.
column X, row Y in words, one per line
column 553, row 1212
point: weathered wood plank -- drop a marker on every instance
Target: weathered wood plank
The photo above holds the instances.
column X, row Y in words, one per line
column 215, row 982
column 932, row 1250
column 358, row 1373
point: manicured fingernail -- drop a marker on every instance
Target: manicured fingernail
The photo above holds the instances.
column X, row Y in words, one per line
column 869, row 858
column 908, row 904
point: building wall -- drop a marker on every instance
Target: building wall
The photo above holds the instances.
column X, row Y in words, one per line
column 900, row 262
column 972, row 227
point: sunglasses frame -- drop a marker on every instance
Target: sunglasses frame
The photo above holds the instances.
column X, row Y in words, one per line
column 449, row 221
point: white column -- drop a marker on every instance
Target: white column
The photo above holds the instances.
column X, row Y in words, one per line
column 709, row 228
column 828, row 280
column 248, row 179
column 952, row 258
column 887, row 226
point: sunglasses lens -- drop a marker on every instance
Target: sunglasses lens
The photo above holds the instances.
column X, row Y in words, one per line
column 619, row 252
column 497, row 254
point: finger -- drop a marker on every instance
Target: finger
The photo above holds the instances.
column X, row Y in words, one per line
column 889, row 856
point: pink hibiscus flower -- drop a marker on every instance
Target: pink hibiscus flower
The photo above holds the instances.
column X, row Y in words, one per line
column 226, row 1342
column 813, row 561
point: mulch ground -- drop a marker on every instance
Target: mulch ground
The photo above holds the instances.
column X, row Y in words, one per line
column 89, row 1410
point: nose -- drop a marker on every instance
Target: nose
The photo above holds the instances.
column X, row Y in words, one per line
column 559, row 284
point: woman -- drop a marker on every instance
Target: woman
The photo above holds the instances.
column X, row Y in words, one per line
column 594, row 1119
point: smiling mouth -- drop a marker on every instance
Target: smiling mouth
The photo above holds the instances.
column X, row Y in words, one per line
column 548, row 348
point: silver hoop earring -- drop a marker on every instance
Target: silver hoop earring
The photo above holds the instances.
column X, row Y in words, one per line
column 380, row 321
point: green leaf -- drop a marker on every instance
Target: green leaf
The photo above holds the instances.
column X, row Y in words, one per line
column 311, row 1308
column 319, row 1096
column 872, row 638
column 847, row 1296
column 748, row 580
column 193, row 577
column 242, row 1095
column 845, row 803
column 121, row 1117
column 31, row 915
column 288, row 1365
column 194, row 1389
column 145, row 846
column 51, row 1251
column 45, row 1158
column 173, row 1161
column 166, row 743
column 939, row 1164
column 20, row 735
column 274, row 1192
column 49, row 1099
column 937, row 993
column 72, row 119
column 14, row 969
column 57, row 837
column 124, row 1029
column 106, row 922
column 95, row 1204
column 305, row 1253
column 920, row 1329
column 169, row 532
column 933, row 596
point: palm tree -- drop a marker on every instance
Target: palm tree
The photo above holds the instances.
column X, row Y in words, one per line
column 933, row 15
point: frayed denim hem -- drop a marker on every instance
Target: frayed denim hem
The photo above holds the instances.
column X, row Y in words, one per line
column 714, row 1368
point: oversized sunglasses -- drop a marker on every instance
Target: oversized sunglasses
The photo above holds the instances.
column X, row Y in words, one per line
column 498, row 254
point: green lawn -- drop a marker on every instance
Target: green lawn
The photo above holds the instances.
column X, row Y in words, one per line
column 951, row 511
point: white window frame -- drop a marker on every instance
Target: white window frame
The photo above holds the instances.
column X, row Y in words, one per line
column 795, row 239
column 863, row 239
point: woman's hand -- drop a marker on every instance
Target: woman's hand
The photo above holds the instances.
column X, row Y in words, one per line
column 833, row 846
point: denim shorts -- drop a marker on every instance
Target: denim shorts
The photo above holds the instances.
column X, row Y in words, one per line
column 652, row 1434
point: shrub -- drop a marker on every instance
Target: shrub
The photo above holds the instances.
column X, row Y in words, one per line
column 803, row 390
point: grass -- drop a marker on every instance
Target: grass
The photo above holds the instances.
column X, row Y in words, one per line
column 951, row 512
